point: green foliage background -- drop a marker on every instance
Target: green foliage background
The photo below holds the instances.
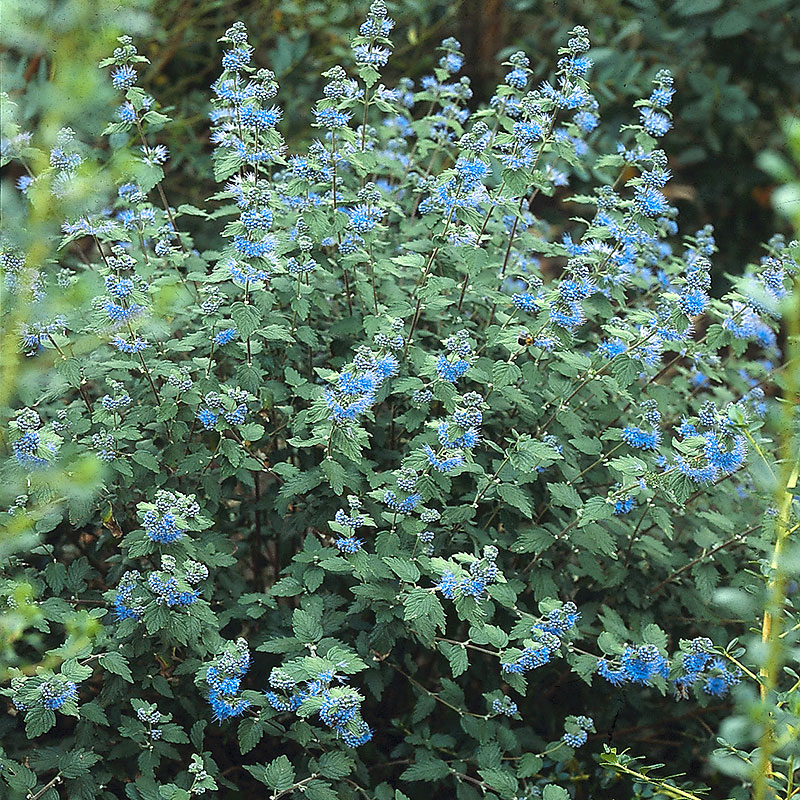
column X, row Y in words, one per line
column 737, row 73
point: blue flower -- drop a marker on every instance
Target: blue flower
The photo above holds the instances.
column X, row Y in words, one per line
column 575, row 739
column 610, row 348
column 569, row 316
column 161, row 528
column 349, row 544
column 442, row 465
column 641, row 439
column 471, row 171
column 56, row 692
column 331, row 118
column 447, row 585
column 624, row 505
column 637, row 665
column 123, row 77
column 225, row 336
column 451, row 371
column 693, row 302
column 654, row 122
column 525, row 301
column 223, row 677
column 401, row 506
column 661, row 97
column 649, row 201
column 517, row 78
column 207, row 418
column 236, row 58
column 364, row 218
column 725, row 460
column 504, row 706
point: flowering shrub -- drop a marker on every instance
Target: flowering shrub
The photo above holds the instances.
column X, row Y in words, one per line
column 445, row 443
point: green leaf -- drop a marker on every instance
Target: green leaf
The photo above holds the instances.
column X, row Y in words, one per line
column 94, row 713
column 117, row 664
column 306, row 626
column 564, row 495
column 277, row 333
column 505, row 374
column 247, row 319
column 251, row 432
column 625, row 369
column 515, row 497
column 691, row 8
column 250, row 732
column 429, row 769
column 74, row 671
column 146, row 459
column 335, row 765
column 279, row 774
column 186, row 208
column 553, row 792
column 424, row 603
column 404, row 568
column 319, row 790
column 456, row 655
column 529, row 765
column 38, row 720
column 501, row 780
column 335, row 474
column 652, row 634
column 733, row 23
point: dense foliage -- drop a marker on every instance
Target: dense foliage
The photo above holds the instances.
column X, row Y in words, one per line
column 396, row 487
column 736, row 67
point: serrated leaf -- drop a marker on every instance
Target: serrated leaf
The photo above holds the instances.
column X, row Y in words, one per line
column 335, row 765
column 250, row 732
column 146, row 459
column 306, row 626
column 515, row 497
column 404, row 568
column 553, row 792
column 423, row 603
column 279, row 774
column 457, row 657
column 247, row 319
column 117, row 664
column 564, row 495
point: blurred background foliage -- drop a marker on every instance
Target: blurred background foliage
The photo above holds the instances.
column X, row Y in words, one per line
column 736, row 64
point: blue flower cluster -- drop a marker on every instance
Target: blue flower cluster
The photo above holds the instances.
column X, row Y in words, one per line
column 168, row 590
column 53, row 692
column 698, row 664
column 504, row 705
column 224, row 678
column 171, row 586
column 356, row 386
column 406, row 480
column 339, row 707
column 350, row 522
column 166, row 520
column 56, row 691
column 645, row 438
column 481, row 573
column 637, row 665
column 547, row 635
column 711, row 448
column 452, row 365
column 129, row 601
column 576, row 730
column 33, row 445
